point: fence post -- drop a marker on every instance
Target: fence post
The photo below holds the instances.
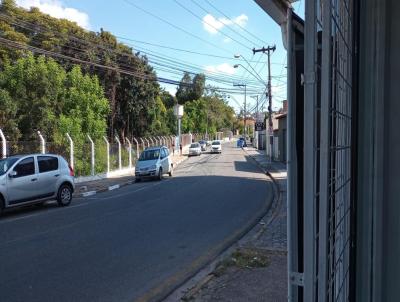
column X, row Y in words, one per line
column 42, row 143
column 108, row 153
column 143, row 144
column 130, row 152
column 71, row 151
column 137, row 147
column 91, row 155
column 152, row 142
column 148, row 142
column 4, row 145
column 119, row 153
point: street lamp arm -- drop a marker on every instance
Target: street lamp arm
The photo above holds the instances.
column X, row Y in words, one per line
column 254, row 75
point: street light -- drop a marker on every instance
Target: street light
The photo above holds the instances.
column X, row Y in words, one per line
column 254, row 75
column 238, row 56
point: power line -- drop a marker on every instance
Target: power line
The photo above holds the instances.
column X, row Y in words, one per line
column 218, row 10
column 185, row 50
column 33, row 27
column 175, row 26
column 143, row 76
column 198, row 17
column 231, row 29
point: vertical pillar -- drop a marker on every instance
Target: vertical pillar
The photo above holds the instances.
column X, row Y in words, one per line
column 91, row 155
column 137, row 147
column 3, row 145
column 108, row 153
column 130, row 152
column 42, row 143
column 71, row 151
column 119, row 153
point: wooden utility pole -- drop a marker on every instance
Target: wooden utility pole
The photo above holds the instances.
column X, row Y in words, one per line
column 268, row 51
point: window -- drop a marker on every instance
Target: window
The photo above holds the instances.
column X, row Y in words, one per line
column 6, row 164
column 47, row 163
column 166, row 152
column 149, row 155
column 163, row 154
column 25, row 167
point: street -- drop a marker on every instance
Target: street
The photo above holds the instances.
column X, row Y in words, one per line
column 136, row 243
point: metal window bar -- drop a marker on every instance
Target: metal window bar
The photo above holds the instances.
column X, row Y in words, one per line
column 328, row 149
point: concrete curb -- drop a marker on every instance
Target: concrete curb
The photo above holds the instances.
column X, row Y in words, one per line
column 116, row 186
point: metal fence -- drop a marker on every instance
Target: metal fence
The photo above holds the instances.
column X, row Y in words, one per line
column 92, row 156
column 328, row 149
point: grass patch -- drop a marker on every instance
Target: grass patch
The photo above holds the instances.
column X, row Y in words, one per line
column 242, row 258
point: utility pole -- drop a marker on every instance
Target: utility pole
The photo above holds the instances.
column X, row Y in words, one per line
column 244, row 122
column 268, row 51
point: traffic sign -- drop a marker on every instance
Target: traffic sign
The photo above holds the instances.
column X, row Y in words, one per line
column 259, row 126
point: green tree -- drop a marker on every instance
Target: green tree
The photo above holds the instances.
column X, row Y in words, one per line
column 190, row 89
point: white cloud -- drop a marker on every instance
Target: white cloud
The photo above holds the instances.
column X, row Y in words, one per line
column 56, row 9
column 213, row 25
column 222, row 68
column 227, row 40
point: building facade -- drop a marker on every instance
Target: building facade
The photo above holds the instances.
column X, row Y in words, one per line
column 343, row 147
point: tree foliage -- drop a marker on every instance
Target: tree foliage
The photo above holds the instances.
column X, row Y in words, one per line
column 38, row 94
column 190, row 89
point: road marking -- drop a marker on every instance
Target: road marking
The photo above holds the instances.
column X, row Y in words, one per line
column 114, row 187
column 90, row 193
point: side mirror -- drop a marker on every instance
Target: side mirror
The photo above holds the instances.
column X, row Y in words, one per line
column 12, row 174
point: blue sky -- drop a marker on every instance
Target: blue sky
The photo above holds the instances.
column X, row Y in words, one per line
column 230, row 27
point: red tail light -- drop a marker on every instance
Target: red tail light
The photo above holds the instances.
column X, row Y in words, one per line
column 71, row 171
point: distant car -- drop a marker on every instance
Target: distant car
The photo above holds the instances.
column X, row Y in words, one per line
column 216, row 147
column 194, row 149
column 241, row 142
column 154, row 162
column 35, row 178
column 203, row 145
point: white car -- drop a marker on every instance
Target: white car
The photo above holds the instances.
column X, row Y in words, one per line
column 195, row 149
column 154, row 163
column 216, row 147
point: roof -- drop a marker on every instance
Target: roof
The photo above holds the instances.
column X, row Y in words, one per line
column 277, row 9
column 279, row 116
column 153, row 148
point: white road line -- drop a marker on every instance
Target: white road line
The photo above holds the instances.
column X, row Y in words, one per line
column 90, row 193
column 114, row 187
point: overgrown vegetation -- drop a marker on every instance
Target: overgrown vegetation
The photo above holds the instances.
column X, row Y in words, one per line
column 112, row 91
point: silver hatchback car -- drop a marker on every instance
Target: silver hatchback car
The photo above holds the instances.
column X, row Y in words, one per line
column 154, row 162
column 35, row 178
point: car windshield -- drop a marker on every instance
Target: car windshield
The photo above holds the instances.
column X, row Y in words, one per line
column 149, row 155
column 202, row 142
column 6, row 163
column 194, row 145
column 216, row 143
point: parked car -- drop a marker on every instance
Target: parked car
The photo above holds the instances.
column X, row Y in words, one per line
column 154, row 162
column 195, row 149
column 35, row 178
column 216, row 147
column 203, row 145
column 241, row 142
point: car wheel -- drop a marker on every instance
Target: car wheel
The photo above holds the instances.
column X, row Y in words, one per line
column 160, row 174
column 138, row 179
column 64, row 195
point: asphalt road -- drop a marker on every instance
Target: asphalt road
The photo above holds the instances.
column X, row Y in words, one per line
column 135, row 243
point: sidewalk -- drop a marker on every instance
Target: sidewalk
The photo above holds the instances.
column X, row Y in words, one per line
column 257, row 269
column 88, row 188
